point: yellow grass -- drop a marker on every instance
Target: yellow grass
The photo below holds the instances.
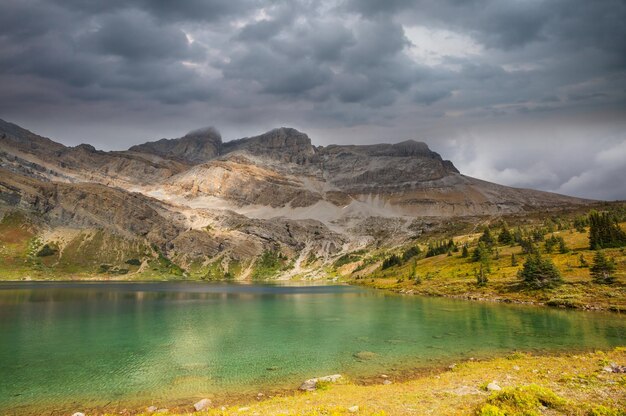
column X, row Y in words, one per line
column 532, row 385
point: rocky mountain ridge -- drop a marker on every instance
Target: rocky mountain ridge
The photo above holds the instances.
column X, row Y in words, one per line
column 218, row 208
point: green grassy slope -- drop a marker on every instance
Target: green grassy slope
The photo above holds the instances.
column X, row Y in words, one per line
column 455, row 276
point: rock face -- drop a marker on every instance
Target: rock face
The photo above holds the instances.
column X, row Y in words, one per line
column 196, row 147
column 214, row 208
column 282, row 144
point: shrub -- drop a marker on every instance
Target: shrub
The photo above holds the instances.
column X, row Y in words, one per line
column 526, row 400
column 268, row 265
column 133, row 262
column 47, row 250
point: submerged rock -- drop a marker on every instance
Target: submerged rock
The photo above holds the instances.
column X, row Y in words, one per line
column 364, row 355
column 202, row 405
column 311, row 384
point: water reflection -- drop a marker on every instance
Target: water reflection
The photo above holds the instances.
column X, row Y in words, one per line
column 145, row 341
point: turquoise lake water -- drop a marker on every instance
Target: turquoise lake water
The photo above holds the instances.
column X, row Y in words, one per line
column 69, row 345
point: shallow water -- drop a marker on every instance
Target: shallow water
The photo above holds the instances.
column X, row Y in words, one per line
column 96, row 344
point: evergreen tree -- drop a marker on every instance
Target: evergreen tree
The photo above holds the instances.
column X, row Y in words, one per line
column 553, row 242
column 440, row 247
column 465, row 252
column 583, row 262
column 411, row 252
column 487, row 238
column 580, row 223
column 549, row 244
column 604, row 231
column 482, row 254
column 537, row 235
column 563, row 249
column 602, row 269
column 505, row 237
column 393, row 260
column 539, row 272
column 481, row 276
column 528, row 247
column 513, row 260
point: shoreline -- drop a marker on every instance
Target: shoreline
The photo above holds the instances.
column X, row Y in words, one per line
column 579, row 378
column 496, row 298
column 467, row 296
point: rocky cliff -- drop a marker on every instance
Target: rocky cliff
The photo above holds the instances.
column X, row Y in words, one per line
column 214, row 208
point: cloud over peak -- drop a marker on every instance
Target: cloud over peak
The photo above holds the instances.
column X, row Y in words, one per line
column 426, row 69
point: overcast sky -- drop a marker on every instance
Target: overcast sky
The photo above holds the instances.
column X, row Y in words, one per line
column 527, row 93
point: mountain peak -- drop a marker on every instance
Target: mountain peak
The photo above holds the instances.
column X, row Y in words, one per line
column 284, row 143
column 197, row 146
column 205, row 133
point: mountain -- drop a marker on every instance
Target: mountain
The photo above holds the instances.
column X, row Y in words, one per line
column 272, row 204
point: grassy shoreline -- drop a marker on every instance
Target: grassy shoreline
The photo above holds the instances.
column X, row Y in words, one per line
column 557, row 384
column 454, row 276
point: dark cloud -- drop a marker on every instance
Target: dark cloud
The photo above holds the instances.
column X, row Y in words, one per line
column 347, row 70
column 133, row 35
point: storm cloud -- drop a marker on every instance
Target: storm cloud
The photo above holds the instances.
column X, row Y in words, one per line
column 525, row 93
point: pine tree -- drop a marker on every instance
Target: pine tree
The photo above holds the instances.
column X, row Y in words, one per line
column 487, row 238
column 537, row 235
column 604, row 231
column 482, row 254
column 393, row 260
column 563, row 249
column 481, row 276
column 465, row 252
column 602, row 269
column 505, row 237
column 580, row 223
column 539, row 272
column 583, row 262
column 513, row 260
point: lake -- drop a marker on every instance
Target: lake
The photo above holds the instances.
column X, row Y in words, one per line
column 68, row 346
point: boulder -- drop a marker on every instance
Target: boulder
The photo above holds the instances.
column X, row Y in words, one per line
column 202, row 405
column 493, row 386
column 353, row 409
column 78, row 414
column 311, row 384
column 151, row 409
